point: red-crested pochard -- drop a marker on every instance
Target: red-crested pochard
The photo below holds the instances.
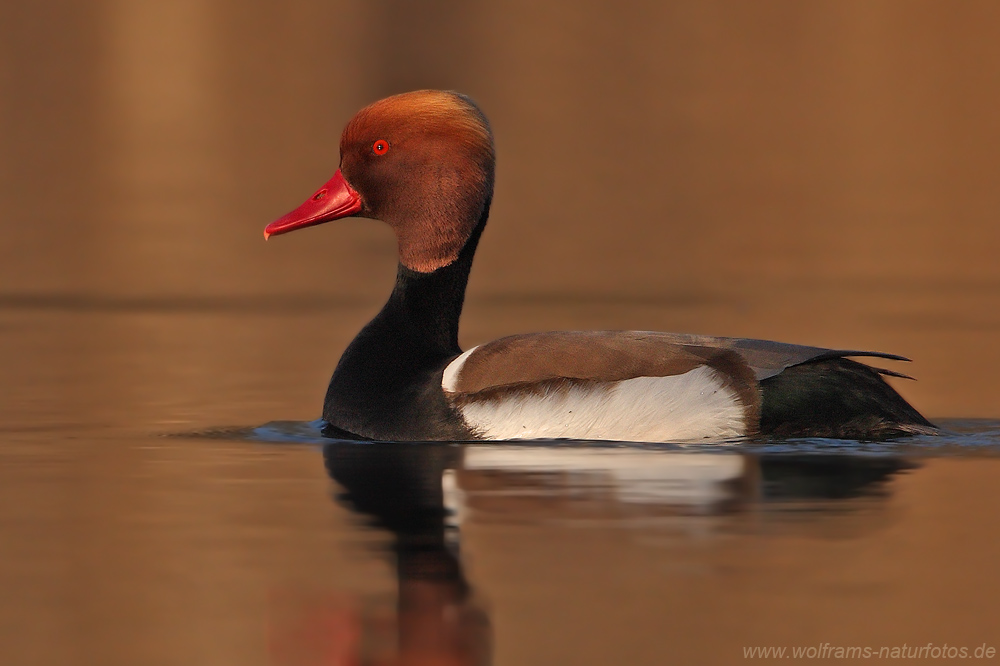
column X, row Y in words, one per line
column 423, row 162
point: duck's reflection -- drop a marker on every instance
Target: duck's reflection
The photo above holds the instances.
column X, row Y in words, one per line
column 400, row 487
column 419, row 493
column 624, row 481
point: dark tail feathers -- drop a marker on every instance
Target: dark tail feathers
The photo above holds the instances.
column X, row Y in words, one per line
column 838, row 398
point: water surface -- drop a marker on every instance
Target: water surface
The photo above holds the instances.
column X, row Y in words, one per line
column 146, row 520
column 818, row 173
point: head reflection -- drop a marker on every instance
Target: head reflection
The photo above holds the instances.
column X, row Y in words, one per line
column 401, row 488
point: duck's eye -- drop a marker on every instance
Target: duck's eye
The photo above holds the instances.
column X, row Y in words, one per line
column 380, row 147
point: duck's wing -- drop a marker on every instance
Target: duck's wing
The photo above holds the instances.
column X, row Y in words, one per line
column 621, row 355
column 768, row 358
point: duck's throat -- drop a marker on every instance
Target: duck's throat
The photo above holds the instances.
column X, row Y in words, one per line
column 424, row 249
column 435, row 235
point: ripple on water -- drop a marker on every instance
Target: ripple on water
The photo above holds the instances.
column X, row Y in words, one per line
column 957, row 437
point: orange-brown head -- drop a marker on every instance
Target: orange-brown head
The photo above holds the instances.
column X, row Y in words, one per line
column 422, row 162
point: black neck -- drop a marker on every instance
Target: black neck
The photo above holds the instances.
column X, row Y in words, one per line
column 425, row 308
column 386, row 373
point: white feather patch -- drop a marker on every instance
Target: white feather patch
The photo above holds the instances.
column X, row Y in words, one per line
column 694, row 406
column 449, row 380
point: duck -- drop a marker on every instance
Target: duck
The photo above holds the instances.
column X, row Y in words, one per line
column 424, row 163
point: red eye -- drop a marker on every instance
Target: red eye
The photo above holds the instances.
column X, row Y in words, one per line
column 380, row 147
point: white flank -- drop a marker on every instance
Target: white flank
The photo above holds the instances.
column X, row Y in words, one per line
column 695, row 406
column 449, row 380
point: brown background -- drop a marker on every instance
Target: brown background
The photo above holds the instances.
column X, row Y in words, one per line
column 819, row 172
column 815, row 172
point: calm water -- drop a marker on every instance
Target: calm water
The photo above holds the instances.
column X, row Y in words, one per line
column 820, row 173
column 146, row 520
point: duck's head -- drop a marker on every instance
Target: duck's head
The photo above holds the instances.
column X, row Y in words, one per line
column 423, row 163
